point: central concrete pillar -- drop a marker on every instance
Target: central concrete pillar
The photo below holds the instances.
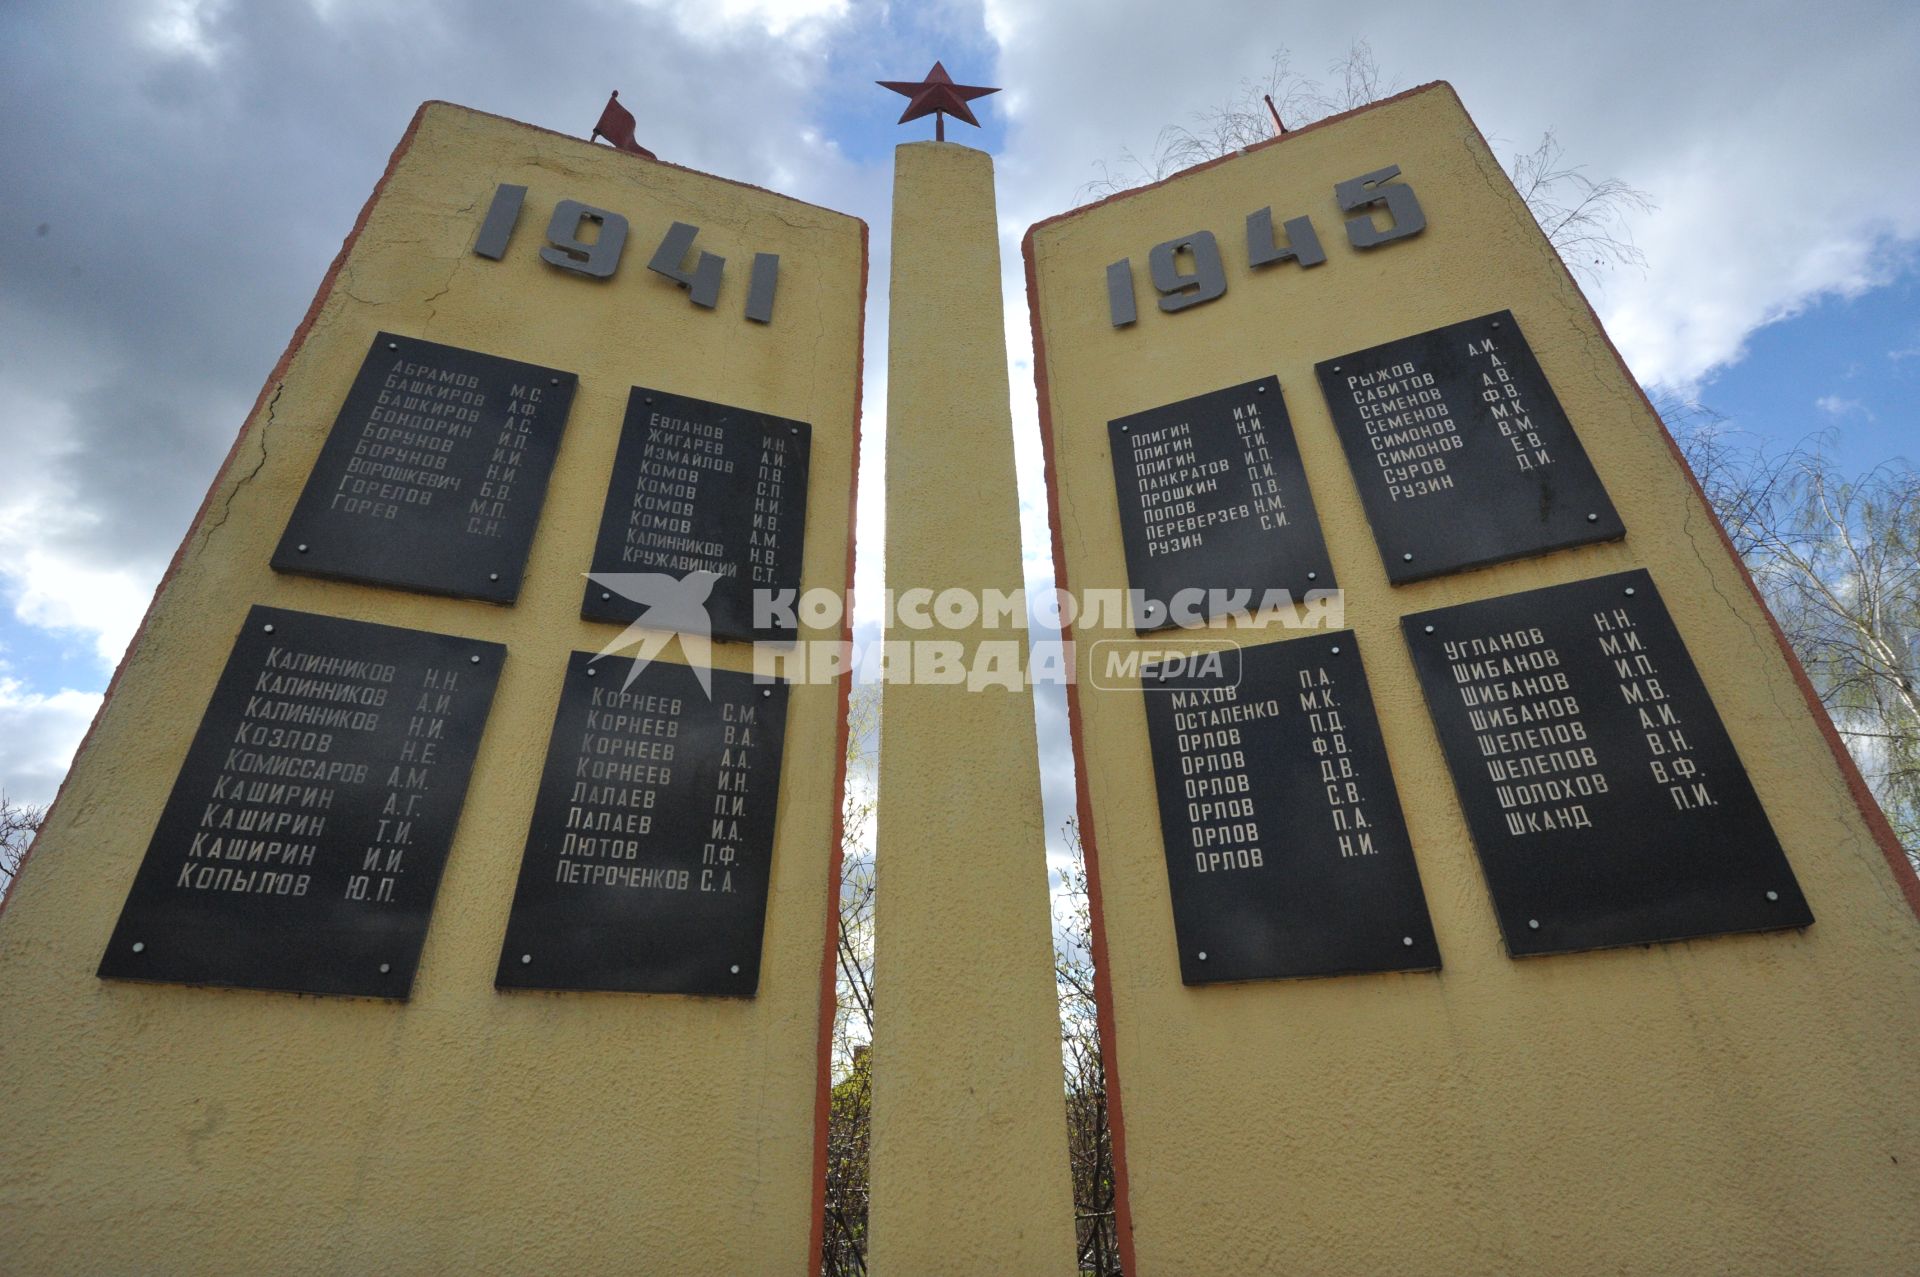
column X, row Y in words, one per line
column 969, row 1160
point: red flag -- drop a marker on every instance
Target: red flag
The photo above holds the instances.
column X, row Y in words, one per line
column 616, row 125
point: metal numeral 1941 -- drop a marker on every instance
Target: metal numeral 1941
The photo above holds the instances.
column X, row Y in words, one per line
column 1203, row 276
column 600, row 257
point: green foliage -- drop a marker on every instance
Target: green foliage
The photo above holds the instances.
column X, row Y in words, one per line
column 848, row 1140
column 1089, row 1139
column 844, row 1248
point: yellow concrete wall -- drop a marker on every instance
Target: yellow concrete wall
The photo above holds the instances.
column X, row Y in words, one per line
column 969, row 1170
column 1741, row 1104
column 159, row 1129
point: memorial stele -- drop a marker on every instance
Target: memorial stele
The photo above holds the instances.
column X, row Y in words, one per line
column 1743, row 1102
column 1520, row 910
column 392, row 475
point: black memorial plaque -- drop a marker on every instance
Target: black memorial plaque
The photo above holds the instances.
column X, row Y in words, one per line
column 1213, row 498
column 1461, row 452
column 434, row 473
column 647, row 863
column 1287, row 854
column 702, row 487
column 1604, row 797
column 304, row 838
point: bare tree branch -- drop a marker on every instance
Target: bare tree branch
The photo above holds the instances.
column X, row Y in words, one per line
column 1243, row 119
column 18, row 825
column 1586, row 220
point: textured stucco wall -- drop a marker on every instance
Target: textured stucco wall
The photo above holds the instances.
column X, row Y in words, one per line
column 159, row 1129
column 969, row 1171
column 1740, row 1104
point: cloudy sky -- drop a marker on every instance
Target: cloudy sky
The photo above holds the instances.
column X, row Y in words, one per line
column 178, row 173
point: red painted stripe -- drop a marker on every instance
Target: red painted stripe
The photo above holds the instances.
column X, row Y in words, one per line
column 836, row 855
column 1083, row 802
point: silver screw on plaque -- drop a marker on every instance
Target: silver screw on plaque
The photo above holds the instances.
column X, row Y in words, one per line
column 605, row 595
column 385, row 967
column 302, row 547
column 1203, row 955
column 591, row 671
column 1593, row 518
column 139, row 946
column 766, row 691
column 1429, row 629
column 267, row 628
column 1407, row 557
column 493, row 576
column 1336, row 367
column 1407, row 941
column 1313, row 576
column 474, row 659
column 793, row 430
column 393, row 345
column 1773, row 895
column 1496, row 323
column 1629, row 589
column 553, row 381
column 1534, row 923
column 736, row 968
column 1336, row 649
column 526, row 959
column 1261, row 389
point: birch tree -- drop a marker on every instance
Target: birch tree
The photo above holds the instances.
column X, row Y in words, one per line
column 1837, row 558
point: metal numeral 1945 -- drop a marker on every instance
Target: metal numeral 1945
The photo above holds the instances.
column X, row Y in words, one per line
column 1206, row 277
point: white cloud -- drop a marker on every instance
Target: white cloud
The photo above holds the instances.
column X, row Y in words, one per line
column 709, row 21
column 51, row 572
column 58, row 592
column 38, row 734
column 1767, row 201
column 1835, row 406
column 1764, row 145
column 183, row 26
column 131, row 352
column 129, row 359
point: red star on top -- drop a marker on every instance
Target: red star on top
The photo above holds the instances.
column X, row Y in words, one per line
column 938, row 96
